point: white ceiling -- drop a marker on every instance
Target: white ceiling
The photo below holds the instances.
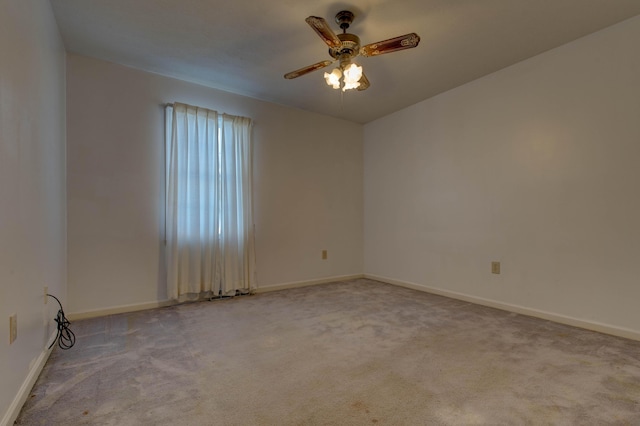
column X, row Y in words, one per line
column 246, row 46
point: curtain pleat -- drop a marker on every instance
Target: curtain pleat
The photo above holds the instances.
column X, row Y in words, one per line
column 209, row 241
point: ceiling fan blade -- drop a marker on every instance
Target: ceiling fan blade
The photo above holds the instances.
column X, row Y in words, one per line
column 325, row 32
column 364, row 83
column 307, row 69
column 406, row 41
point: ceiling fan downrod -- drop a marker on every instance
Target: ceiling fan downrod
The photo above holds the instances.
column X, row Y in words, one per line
column 350, row 43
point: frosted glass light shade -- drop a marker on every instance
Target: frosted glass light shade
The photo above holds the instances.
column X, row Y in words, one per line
column 352, row 75
column 333, row 78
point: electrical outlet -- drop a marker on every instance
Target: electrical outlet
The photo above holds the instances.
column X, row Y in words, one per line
column 495, row 267
column 46, row 291
column 13, row 328
column 324, row 254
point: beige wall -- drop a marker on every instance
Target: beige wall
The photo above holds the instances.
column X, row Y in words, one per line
column 32, row 190
column 307, row 189
column 535, row 166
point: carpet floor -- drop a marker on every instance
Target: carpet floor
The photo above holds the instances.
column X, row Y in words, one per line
column 347, row 353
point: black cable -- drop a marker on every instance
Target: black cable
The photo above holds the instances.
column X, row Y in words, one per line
column 65, row 337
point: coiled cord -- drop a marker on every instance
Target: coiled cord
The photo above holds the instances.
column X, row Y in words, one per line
column 65, row 337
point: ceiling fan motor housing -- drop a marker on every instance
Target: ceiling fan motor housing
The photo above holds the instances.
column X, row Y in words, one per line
column 350, row 47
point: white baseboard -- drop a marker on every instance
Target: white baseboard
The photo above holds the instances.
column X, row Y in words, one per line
column 13, row 411
column 119, row 309
column 74, row 316
column 308, row 283
column 562, row 319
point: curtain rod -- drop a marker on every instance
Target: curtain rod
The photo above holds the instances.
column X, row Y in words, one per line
column 172, row 104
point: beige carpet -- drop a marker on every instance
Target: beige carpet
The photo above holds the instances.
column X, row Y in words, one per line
column 347, row 353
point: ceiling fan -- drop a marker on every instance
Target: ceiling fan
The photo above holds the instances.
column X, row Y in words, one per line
column 344, row 47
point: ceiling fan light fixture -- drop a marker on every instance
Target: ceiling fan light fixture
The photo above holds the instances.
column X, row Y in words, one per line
column 347, row 79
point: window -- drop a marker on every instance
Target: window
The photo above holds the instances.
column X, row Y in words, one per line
column 209, row 222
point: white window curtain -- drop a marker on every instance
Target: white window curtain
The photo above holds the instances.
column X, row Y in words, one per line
column 209, row 223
